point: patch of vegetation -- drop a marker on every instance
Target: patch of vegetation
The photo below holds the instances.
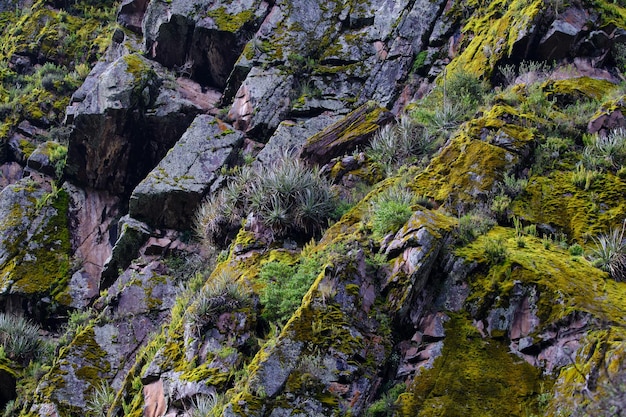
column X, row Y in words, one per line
column 385, row 406
column 288, row 197
column 222, row 294
column 472, row 225
column 100, row 400
column 609, row 253
column 19, row 338
column 406, row 143
column 390, row 210
column 285, row 285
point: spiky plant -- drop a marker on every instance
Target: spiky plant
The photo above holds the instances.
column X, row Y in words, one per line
column 610, row 253
column 19, row 337
column 405, row 142
column 223, row 293
column 203, row 405
column 287, row 196
column 101, row 399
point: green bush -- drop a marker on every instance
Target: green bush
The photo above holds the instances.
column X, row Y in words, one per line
column 390, row 210
column 576, row 250
column 513, row 186
column 285, row 285
column 495, row 251
column 19, row 338
column 385, row 406
column 472, row 225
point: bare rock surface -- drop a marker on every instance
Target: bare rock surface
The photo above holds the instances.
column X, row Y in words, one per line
column 169, row 196
column 125, row 118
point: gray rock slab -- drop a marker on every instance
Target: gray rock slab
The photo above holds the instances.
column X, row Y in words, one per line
column 169, row 196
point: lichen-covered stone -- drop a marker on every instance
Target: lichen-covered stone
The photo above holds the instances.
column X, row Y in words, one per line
column 122, row 123
column 34, row 240
column 169, row 196
column 132, row 234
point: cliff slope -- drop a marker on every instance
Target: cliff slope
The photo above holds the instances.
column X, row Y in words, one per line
column 272, row 208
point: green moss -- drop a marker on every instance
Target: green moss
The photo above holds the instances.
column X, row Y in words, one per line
column 565, row 284
column 67, row 40
column 208, row 374
column 601, row 350
column 492, row 32
column 472, row 377
column 611, row 13
column 575, row 89
column 362, row 126
column 47, row 267
column 555, row 200
column 230, row 22
column 27, row 147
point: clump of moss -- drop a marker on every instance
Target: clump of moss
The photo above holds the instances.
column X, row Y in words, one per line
column 472, row 377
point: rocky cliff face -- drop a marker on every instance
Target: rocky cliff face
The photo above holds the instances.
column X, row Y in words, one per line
column 272, row 208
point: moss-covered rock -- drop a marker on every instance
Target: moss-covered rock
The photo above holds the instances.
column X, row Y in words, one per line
column 472, row 377
column 556, row 203
column 36, row 242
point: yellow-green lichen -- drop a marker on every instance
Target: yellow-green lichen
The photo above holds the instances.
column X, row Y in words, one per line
column 472, row 377
column 230, row 22
column 565, row 284
column 556, row 201
column 492, row 32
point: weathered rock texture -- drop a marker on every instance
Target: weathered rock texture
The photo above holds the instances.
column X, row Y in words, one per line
column 480, row 298
column 169, row 196
column 125, row 118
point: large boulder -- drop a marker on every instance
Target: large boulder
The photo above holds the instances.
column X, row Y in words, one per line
column 169, row 196
column 346, row 134
column 105, row 348
column 202, row 40
column 361, row 52
column 92, row 233
column 125, row 117
column 291, row 136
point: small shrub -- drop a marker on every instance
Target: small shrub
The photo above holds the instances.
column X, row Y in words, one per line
column 385, row 406
column 285, row 285
column 610, row 253
column 509, row 73
column 495, row 251
column 501, row 206
column 472, row 225
column 11, row 409
column 19, row 338
column 390, row 210
column 576, row 250
column 512, row 186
